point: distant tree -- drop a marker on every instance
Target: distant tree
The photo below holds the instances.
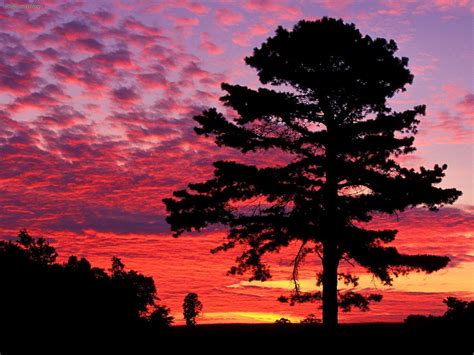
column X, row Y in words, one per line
column 192, row 307
column 310, row 319
column 328, row 112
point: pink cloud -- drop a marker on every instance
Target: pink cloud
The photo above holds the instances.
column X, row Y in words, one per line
column 135, row 25
column 73, row 30
column 451, row 128
column 89, row 45
column 209, row 46
column 227, row 17
column 244, row 38
column 280, row 10
column 170, row 107
column 18, row 70
column 194, row 71
column 125, row 96
column 394, row 7
column 62, row 116
column 107, row 62
column 153, row 80
column 26, row 22
column 196, row 7
column 47, row 96
column 186, row 21
column 49, row 54
column 466, row 106
column 443, row 5
column 102, row 16
column 70, row 72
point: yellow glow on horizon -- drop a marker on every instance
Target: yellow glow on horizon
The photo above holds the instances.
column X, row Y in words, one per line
column 458, row 279
column 246, row 317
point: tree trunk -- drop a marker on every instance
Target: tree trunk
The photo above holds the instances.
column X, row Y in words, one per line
column 330, row 226
column 330, row 265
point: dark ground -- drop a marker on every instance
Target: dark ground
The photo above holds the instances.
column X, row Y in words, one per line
column 382, row 338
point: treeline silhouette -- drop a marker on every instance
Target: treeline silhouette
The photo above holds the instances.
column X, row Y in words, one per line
column 73, row 307
column 41, row 298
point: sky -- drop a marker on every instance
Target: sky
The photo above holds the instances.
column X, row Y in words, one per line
column 96, row 106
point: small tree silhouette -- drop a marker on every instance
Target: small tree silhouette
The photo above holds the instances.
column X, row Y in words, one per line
column 192, row 307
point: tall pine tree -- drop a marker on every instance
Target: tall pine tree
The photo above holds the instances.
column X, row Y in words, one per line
column 328, row 109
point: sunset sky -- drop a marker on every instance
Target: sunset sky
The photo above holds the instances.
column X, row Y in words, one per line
column 96, row 106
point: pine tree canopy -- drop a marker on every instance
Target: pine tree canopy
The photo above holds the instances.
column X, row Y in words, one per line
column 324, row 102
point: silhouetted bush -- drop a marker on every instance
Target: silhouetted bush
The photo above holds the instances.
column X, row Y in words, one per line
column 282, row 321
column 41, row 297
column 311, row 319
column 459, row 313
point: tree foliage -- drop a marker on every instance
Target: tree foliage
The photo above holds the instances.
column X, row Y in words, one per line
column 325, row 104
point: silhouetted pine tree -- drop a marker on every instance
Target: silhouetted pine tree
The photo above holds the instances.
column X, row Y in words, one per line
column 329, row 111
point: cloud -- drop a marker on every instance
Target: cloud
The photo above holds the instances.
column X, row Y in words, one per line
column 107, row 62
column 73, row 30
column 194, row 71
column 227, row 17
column 209, row 46
column 245, row 38
column 403, row 7
column 102, row 16
column 18, row 69
column 125, row 96
column 269, row 6
column 454, row 116
column 196, row 7
column 135, row 25
column 186, row 21
column 452, row 128
column 466, row 107
column 47, row 96
column 71, row 72
column 89, row 45
column 154, row 80
column 443, row 6
column 49, row 54
column 61, row 116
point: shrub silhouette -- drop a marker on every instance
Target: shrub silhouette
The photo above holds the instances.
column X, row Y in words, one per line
column 283, row 321
column 40, row 296
column 310, row 319
column 459, row 313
